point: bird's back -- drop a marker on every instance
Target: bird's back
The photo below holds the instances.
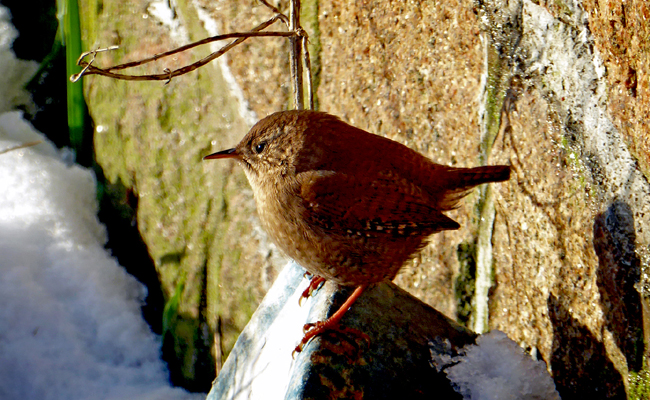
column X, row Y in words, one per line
column 355, row 152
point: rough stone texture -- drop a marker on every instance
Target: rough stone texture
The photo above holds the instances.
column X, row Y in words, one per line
column 569, row 245
column 396, row 361
column 569, row 233
column 197, row 219
column 260, row 65
column 621, row 31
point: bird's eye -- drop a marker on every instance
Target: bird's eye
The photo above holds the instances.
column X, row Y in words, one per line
column 260, row 147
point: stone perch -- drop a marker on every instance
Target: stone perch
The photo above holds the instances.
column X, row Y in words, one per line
column 394, row 363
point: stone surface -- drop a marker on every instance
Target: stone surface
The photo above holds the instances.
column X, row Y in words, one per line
column 621, row 35
column 214, row 263
column 394, row 363
column 569, row 233
column 568, row 250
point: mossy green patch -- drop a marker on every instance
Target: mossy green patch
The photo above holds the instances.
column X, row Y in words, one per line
column 465, row 283
column 639, row 383
column 150, row 138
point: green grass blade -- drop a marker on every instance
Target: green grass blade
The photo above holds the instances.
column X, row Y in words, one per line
column 70, row 36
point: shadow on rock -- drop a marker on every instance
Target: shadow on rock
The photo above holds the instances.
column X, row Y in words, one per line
column 581, row 368
column 618, row 272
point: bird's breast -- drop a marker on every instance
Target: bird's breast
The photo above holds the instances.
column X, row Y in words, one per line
column 281, row 213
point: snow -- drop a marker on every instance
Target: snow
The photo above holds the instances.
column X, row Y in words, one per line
column 70, row 321
column 496, row 368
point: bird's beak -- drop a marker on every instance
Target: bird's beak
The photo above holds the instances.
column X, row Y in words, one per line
column 230, row 153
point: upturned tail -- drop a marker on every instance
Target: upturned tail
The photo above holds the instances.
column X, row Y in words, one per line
column 471, row 177
column 459, row 181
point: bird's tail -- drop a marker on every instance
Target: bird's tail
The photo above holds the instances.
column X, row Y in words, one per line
column 470, row 177
column 461, row 180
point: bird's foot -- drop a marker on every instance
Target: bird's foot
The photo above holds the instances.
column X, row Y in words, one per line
column 312, row 330
column 314, row 284
column 315, row 329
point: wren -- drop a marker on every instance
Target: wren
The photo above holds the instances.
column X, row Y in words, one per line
column 347, row 205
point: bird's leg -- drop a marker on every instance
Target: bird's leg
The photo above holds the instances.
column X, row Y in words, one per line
column 313, row 330
column 314, row 284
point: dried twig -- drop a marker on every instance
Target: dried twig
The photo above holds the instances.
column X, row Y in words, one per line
column 90, row 69
column 296, row 34
column 75, row 77
column 277, row 11
column 21, row 146
column 307, row 62
column 296, row 66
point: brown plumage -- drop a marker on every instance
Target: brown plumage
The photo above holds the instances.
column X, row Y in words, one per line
column 346, row 204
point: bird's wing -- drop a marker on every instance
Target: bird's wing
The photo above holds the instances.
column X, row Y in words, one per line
column 376, row 206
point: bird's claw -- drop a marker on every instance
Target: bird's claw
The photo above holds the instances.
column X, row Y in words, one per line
column 311, row 330
column 311, row 325
column 314, row 284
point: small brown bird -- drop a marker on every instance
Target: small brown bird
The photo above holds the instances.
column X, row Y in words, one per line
column 349, row 206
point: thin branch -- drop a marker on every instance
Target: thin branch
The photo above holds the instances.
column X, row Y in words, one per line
column 201, row 42
column 296, row 34
column 307, row 63
column 277, row 11
column 296, row 66
column 90, row 69
column 21, row 146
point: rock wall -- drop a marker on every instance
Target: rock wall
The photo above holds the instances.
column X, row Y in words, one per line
column 555, row 257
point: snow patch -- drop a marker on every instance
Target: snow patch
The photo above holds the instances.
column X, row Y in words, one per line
column 496, row 368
